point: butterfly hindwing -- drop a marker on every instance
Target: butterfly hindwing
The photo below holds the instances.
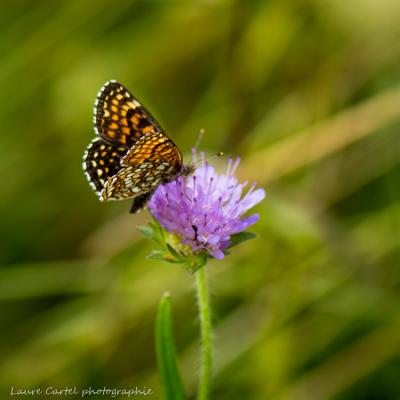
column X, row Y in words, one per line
column 119, row 117
column 132, row 182
column 101, row 161
column 152, row 161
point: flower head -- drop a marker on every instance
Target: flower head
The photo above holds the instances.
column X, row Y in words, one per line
column 206, row 208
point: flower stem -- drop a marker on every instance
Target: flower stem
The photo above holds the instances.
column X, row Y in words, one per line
column 206, row 334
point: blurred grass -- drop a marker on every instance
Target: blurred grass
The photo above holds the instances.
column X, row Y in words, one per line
column 307, row 93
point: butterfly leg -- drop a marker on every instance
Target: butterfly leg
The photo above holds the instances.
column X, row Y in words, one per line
column 139, row 202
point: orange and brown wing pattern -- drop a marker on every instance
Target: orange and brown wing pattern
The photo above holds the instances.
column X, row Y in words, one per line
column 154, row 147
column 152, row 161
column 131, row 155
column 119, row 118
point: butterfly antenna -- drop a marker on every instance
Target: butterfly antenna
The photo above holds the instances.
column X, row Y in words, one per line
column 219, row 154
column 199, row 139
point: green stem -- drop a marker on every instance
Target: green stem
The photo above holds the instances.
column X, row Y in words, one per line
column 206, row 334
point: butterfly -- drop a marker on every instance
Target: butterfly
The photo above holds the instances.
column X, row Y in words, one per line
column 131, row 154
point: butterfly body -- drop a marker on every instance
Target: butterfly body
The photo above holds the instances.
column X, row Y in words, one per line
column 131, row 154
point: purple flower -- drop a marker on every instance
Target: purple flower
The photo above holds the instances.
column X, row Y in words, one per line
column 207, row 208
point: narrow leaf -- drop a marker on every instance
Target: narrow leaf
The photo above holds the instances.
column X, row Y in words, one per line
column 157, row 255
column 170, row 380
column 240, row 237
column 174, row 253
column 153, row 231
column 157, row 232
column 197, row 262
column 164, row 255
column 147, row 231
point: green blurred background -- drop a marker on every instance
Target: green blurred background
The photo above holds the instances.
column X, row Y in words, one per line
column 307, row 92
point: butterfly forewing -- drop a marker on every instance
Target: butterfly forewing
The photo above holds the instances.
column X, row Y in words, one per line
column 119, row 117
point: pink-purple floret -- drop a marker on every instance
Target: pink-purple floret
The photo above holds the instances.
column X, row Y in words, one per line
column 205, row 209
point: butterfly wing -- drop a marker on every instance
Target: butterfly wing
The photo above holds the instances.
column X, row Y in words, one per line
column 119, row 118
column 131, row 155
column 101, row 161
column 155, row 147
column 153, row 160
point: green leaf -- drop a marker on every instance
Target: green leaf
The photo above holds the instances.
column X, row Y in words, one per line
column 164, row 255
column 240, row 237
column 171, row 382
column 158, row 232
column 157, row 255
column 197, row 262
column 147, row 231
column 153, row 231
column 174, row 253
